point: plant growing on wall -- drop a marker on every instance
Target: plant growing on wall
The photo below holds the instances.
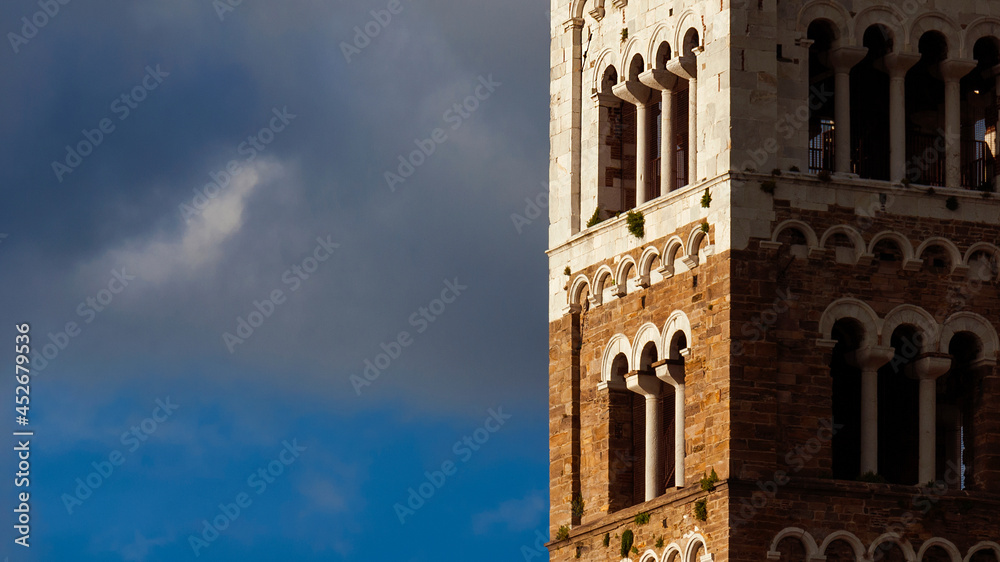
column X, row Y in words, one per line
column 708, row 482
column 607, row 539
column 704, row 227
column 824, row 176
column 706, row 199
column 626, row 543
column 577, row 506
column 563, row 533
column 595, row 219
column 567, row 271
column 624, row 34
column 768, row 186
column 642, row 519
column 659, row 542
column 951, row 203
column 701, row 509
column 636, row 223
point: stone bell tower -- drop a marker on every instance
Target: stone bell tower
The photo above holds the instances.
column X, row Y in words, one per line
column 773, row 281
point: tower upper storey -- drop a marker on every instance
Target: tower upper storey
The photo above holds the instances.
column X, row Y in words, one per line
column 655, row 99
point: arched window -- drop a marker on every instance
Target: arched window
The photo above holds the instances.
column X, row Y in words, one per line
column 899, row 410
column 792, row 550
column 846, row 394
column 925, row 125
column 956, row 397
column 625, row 466
column 821, row 103
column 979, row 117
column 870, row 107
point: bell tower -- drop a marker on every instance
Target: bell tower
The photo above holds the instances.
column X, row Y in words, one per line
column 773, row 281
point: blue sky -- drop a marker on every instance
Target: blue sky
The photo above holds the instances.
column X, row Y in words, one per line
column 174, row 172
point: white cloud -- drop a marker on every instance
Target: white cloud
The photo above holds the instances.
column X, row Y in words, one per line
column 516, row 515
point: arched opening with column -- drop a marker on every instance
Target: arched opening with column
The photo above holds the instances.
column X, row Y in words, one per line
column 633, row 149
column 926, row 145
column 846, row 399
column 956, row 405
column 613, row 129
column 870, row 107
column 979, row 117
column 898, row 409
column 685, row 67
column 624, row 458
column 822, row 88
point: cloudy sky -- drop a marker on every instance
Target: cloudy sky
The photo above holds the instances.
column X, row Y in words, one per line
column 248, row 341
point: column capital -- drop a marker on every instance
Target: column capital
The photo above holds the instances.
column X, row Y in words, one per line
column 597, row 13
column 930, row 366
column 633, row 91
column 870, row 358
column 896, row 64
column 659, row 79
column 670, row 371
column 573, row 24
column 843, row 59
column 953, row 70
column 686, row 67
column 606, row 100
column 643, row 383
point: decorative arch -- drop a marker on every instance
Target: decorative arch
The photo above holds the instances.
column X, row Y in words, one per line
column 606, row 58
column 646, row 264
column 917, row 317
column 618, row 344
column 980, row 247
column 626, row 265
column 805, row 229
column 692, row 547
column 857, row 310
column 694, row 240
column 808, row 542
column 629, row 53
column 903, row 544
column 648, row 333
column 660, row 35
column 830, row 11
column 936, row 21
column 850, row 232
column 673, row 549
column 687, row 21
column 979, row 29
column 983, row 545
column 577, row 7
column 597, row 285
column 975, row 324
column 677, row 322
column 674, row 244
column 947, row 245
column 889, row 17
column 946, row 544
column 648, row 556
column 576, row 289
column 904, row 244
column 846, row 536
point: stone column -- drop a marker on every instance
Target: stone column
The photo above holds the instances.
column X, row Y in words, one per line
column 671, row 372
column 666, row 82
column 869, row 360
column 952, row 71
column 897, row 64
column 574, row 26
column 927, row 369
column 843, row 60
column 650, row 387
column 638, row 94
column 686, row 68
column 605, row 103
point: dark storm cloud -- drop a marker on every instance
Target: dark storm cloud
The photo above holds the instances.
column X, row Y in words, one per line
column 322, row 176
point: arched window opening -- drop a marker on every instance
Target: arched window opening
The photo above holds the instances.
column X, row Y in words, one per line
column 663, row 119
column 846, row 394
column 979, row 117
column 937, row 260
column 899, row 410
column 844, row 250
column 926, row 144
column 791, row 550
column 984, row 555
column 622, row 461
column 983, row 266
column 611, row 191
column 821, row 97
column 840, row 551
column 956, row 402
column 870, row 107
column 888, row 551
column 935, row 554
column 794, row 242
column 889, row 256
column 638, row 448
